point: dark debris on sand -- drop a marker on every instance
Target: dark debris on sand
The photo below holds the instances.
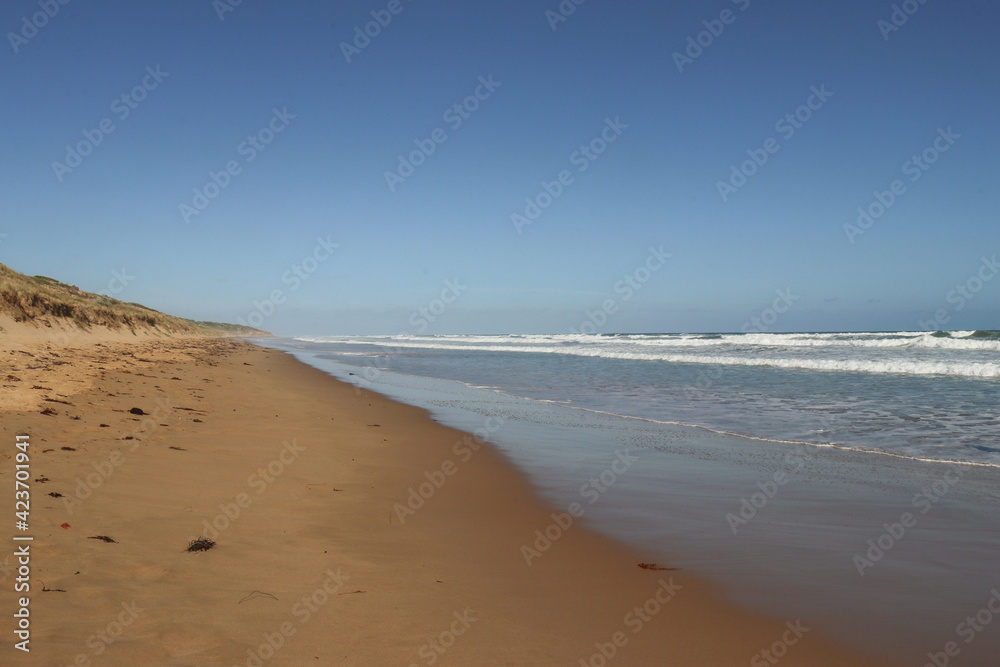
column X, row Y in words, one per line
column 201, row 544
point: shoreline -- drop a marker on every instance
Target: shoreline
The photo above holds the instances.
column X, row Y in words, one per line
column 796, row 552
column 835, row 446
column 316, row 520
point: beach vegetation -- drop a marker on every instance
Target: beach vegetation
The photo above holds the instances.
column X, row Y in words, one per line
column 45, row 301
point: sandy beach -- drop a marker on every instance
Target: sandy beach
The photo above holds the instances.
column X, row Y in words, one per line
column 569, row 333
column 324, row 552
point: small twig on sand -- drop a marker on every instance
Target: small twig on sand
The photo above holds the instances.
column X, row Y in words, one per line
column 256, row 594
column 654, row 566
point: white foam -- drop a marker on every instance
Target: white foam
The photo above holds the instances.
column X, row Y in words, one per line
column 909, row 353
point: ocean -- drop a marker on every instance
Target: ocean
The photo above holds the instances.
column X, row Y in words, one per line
column 922, row 395
column 773, row 464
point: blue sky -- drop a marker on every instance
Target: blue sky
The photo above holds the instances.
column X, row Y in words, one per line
column 210, row 85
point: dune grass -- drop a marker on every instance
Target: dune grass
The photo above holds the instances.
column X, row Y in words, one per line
column 41, row 300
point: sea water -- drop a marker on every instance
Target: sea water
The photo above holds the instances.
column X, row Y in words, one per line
column 923, row 395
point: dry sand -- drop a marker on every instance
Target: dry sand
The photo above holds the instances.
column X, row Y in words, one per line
column 300, row 474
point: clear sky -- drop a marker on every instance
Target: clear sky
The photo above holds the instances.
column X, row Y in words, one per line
column 634, row 142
